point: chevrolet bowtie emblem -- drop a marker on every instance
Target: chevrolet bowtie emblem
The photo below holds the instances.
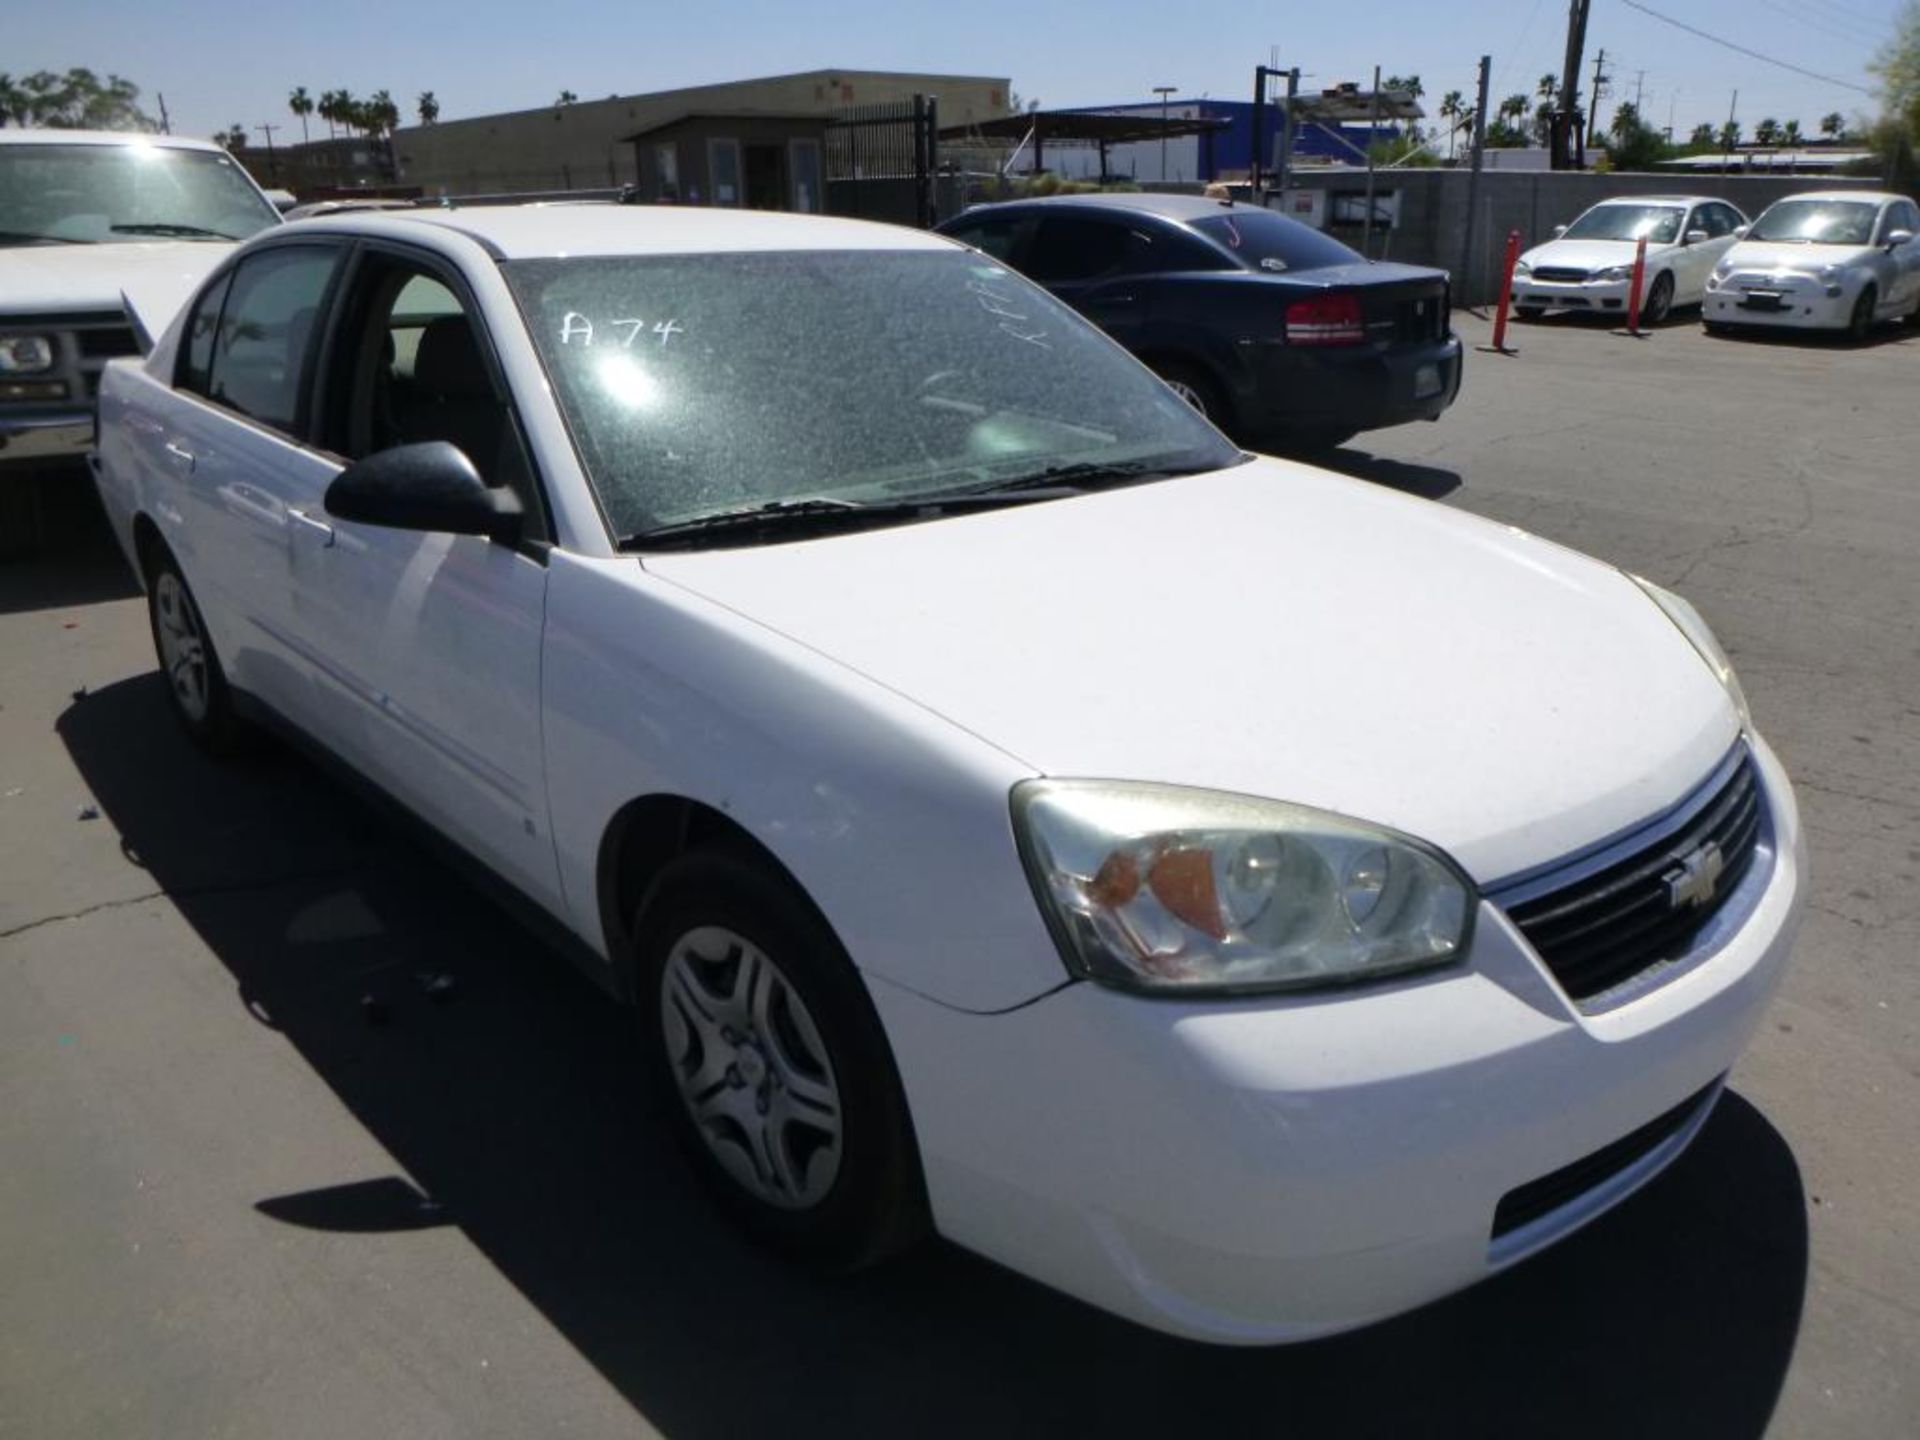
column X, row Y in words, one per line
column 1693, row 881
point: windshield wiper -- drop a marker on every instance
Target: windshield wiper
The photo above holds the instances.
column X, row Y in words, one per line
column 185, row 232
column 1083, row 474
column 9, row 237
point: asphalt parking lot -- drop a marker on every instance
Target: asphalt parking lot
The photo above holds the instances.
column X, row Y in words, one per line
column 233, row 1204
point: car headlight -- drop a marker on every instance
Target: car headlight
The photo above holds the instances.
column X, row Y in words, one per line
column 1614, row 272
column 1168, row 890
column 1521, row 269
column 1689, row 622
column 1829, row 274
column 1723, row 269
column 25, row 354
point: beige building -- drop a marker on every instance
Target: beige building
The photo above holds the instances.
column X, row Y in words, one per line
column 590, row 144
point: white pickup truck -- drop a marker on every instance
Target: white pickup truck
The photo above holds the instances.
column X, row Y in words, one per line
column 103, row 236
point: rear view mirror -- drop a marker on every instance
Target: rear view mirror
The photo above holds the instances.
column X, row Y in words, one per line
column 1740, row 232
column 1558, row 231
column 431, row 486
column 1697, row 237
column 1897, row 238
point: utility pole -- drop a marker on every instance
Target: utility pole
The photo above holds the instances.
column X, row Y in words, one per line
column 1639, row 84
column 1163, row 91
column 1473, row 179
column 1566, row 119
column 1600, row 78
column 273, row 168
column 1373, row 125
column 1726, row 157
column 166, row 124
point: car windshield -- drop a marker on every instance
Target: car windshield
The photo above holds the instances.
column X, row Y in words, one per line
column 134, row 192
column 1262, row 240
column 698, row 384
column 1816, row 222
column 1660, row 224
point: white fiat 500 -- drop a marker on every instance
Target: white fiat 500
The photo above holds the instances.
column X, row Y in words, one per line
column 1834, row 260
column 1589, row 264
column 1250, row 900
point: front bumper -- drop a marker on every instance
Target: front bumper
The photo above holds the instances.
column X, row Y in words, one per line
column 1803, row 302
column 1606, row 295
column 1364, row 387
column 1252, row 1172
column 64, row 433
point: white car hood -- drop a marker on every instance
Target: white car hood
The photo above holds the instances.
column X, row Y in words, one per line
column 1272, row 630
column 1809, row 259
column 154, row 277
column 1588, row 254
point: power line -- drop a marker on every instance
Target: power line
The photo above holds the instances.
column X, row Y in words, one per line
column 1743, row 50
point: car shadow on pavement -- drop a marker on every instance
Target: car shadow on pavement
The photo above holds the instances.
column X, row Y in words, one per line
column 1429, row 482
column 56, row 551
column 503, row 1085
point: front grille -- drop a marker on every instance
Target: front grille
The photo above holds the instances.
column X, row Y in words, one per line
column 1560, row 275
column 1529, row 1202
column 1607, row 927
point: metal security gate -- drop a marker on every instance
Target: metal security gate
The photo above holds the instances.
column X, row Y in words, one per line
column 881, row 161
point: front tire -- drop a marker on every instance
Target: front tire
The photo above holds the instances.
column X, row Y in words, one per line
column 773, row 1065
column 1860, row 322
column 1659, row 300
column 197, row 690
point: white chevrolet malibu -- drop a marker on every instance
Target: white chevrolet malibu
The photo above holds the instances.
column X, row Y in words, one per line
column 1828, row 260
column 1247, row 899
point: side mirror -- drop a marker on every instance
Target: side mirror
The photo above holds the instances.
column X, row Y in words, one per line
column 1740, row 232
column 431, row 486
column 1696, row 237
column 1558, row 231
column 1897, row 238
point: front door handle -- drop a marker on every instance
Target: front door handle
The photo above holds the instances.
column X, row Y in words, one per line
column 180, row 453
column 319, row 527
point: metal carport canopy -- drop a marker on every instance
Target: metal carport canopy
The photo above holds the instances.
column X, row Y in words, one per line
column 1084, row 127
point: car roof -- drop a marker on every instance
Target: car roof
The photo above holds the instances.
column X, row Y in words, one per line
column 1674, row 200
column 559, row 230
column 1871, row 197
column 1144, row 202
column 11, row 136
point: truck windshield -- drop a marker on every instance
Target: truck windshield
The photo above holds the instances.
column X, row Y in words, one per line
column 139, row 191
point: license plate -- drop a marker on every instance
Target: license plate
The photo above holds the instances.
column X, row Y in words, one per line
column 1426, row 381
column 1763, row 300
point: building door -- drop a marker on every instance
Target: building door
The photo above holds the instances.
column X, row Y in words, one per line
column 766, row 177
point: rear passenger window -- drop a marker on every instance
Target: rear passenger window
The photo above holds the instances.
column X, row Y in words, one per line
column 995, row 235
column 260, row 354
column 198, row 358
column 1073, row 249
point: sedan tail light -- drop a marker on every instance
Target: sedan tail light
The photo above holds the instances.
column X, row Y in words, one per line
column 1325, row 320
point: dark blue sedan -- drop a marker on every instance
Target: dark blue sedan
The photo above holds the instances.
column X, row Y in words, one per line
column 1282, row 336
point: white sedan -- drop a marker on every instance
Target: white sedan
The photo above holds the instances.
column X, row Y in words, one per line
column 1250, row 900
column 1835, row 260
column 1589, row 264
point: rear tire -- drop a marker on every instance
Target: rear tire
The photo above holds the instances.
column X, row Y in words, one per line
column 773, row 1066
column 197, row 690
column 1199, row 389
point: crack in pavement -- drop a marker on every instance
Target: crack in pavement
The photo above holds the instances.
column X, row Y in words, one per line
column 191, row 892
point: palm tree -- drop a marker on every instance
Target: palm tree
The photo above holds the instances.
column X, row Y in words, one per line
column 1790, row 133
column 1548, row 87
column 13, row 102
column 301, row 104
column 382, row 114
column 1767, row 132
column 429, row 108
column 1453, row 105
column 1729, row 135
column 1513, row 108
column 1702, row 137
column 328, row 108
column 1832, row 125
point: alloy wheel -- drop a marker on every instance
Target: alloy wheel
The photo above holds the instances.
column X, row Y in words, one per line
column 183, row 647
column 751, row 1068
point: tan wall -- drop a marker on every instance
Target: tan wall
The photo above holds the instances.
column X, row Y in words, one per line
column 583, row 145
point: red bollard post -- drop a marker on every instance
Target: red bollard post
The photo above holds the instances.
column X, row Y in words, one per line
column 1506, row 291
column 1633, row 290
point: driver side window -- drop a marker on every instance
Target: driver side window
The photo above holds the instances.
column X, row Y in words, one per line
column 410, row 367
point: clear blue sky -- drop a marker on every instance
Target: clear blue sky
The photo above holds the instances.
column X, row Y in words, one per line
column 223, row 63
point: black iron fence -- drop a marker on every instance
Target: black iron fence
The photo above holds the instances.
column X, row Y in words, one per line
column 882, row 159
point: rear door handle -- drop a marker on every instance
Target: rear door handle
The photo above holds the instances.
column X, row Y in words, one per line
column 185, row 457
column 319, row 527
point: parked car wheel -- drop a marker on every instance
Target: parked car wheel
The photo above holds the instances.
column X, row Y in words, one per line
column 1198, row 389
column 1860, row 323
column 196, row 684
column 1529, row 312
column 774, row 1066
column 1659, row 300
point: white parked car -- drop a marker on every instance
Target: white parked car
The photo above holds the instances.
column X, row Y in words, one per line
column 1589, row 264
column 1250, row 900
column 103, row 235
column 1828, row 260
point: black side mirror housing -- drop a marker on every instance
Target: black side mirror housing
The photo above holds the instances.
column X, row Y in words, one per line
column 431, row 486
